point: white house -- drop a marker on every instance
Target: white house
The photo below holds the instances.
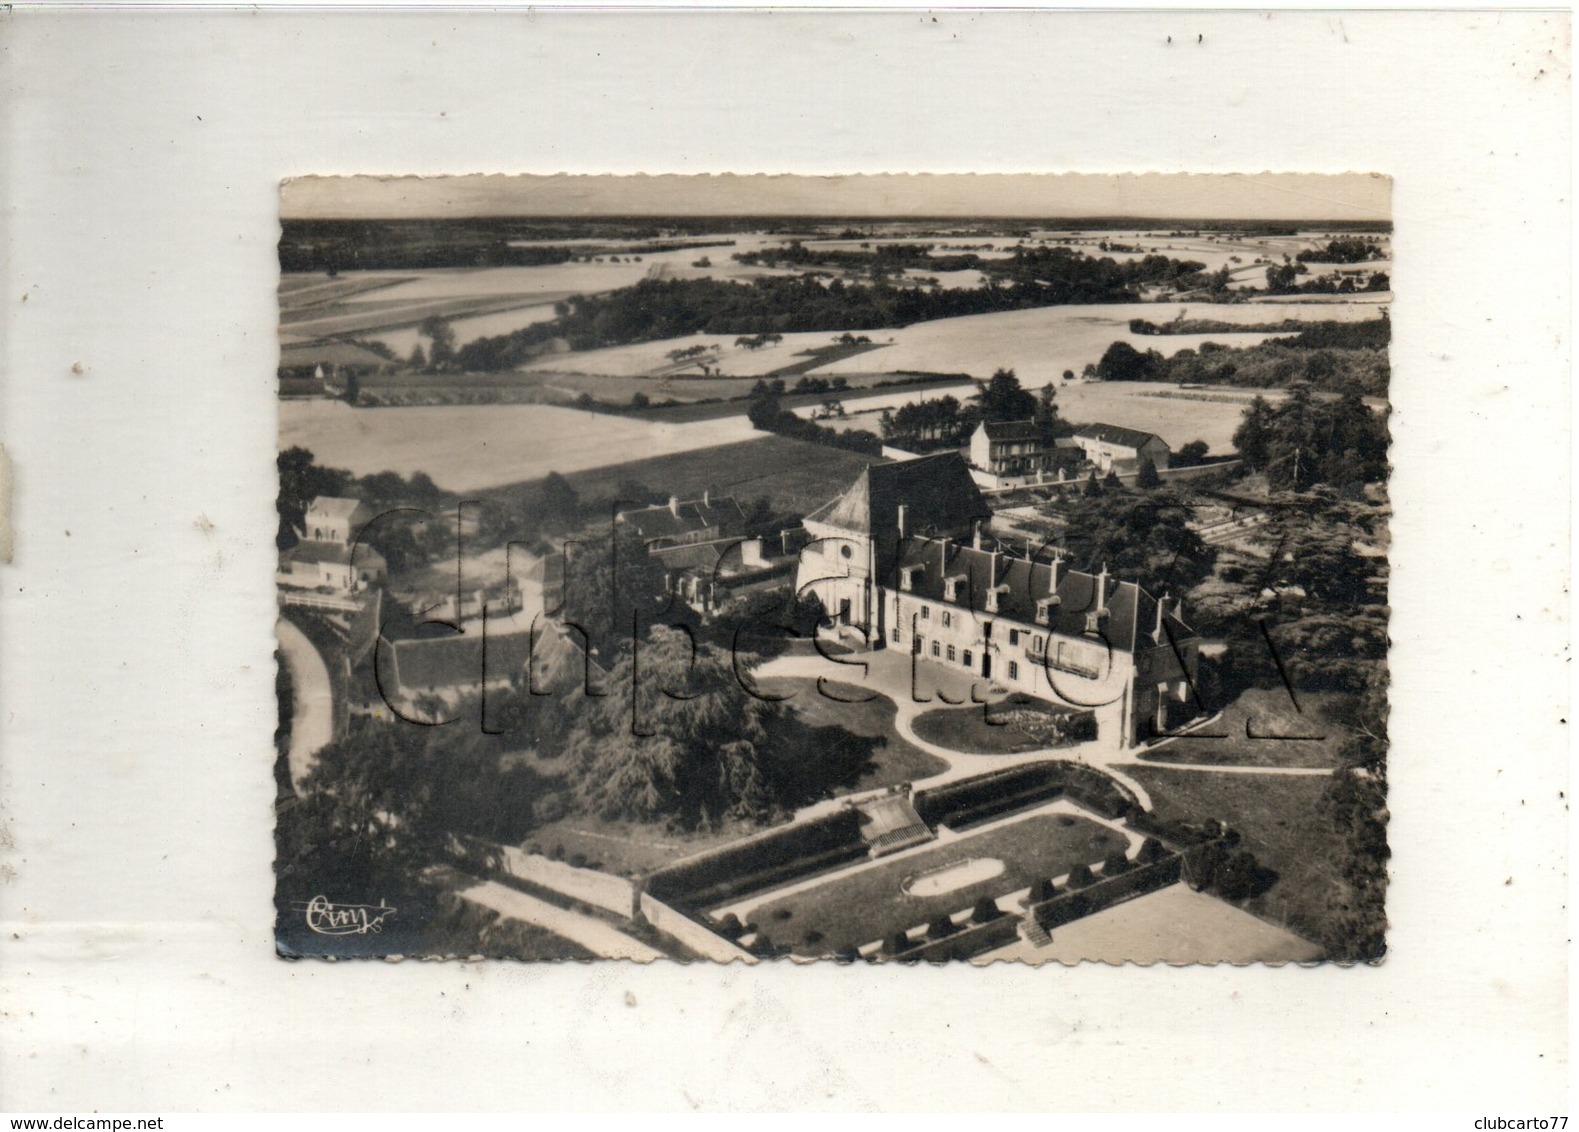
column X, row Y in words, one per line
column 1113, row 448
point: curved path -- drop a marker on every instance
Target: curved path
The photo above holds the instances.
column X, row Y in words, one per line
column 312, row 713
column 960, row 764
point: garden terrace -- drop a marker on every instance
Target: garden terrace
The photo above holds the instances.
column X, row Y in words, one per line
column 875, row 903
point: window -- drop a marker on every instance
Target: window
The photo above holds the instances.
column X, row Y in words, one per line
column 1014, row 636
column 1014, row 670
column 966, row 660
column 1036, row 643
column 895, row 634
column 934, row 648
column 845, row 552
column 926, row 613
column 986, row 630
column 951, row 654
column 948, row 619
column 915, row 646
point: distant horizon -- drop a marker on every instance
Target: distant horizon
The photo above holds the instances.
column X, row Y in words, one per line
column 1154, row 197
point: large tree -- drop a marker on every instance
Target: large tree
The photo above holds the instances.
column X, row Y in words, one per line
column 302, row 480
column 1002, row 398
column 1140, row 537
column 676, row 738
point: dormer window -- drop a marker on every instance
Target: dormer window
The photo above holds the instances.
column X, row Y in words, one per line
column 951, row 586
column 995, row 595
column 1094, row 620
column 907, row 577
column 1044, row 610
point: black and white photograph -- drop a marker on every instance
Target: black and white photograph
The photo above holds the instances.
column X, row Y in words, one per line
column 875, row 569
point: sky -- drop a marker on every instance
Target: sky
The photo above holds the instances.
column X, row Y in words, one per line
column 1264, row 196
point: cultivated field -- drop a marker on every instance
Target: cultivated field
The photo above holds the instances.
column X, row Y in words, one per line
column 1037, row 344
column 471, row 447
column 796, row 477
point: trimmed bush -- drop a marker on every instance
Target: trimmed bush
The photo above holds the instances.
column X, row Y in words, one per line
column 1043, row 889
column 1151, row 851
column 1116, row 864
column 985, row 911
column 896, row 943
column 941, row 928
column 1080, row 876
column 730, row 927
column 764, row 946
column 812, row 938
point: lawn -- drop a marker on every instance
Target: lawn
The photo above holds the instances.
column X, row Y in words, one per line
column 872, row 904
column 1009, row 728
column 626, row 848
column 1280, row 820
column 1264, row 728
column 854, row 711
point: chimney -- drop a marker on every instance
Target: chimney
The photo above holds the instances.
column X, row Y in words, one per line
column 707, row 497
column 1052, row 572
column 1102, row 588
column 902, row 532
column 975, row 538
column 674, row 506
column 943, row 550
column 1162, row 608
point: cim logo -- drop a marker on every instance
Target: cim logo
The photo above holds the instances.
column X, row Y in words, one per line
column 327, row 918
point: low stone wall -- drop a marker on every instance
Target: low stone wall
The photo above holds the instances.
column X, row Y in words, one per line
column 971, row 940
column 604, row 890
column 693, row 934
column 1081, row 902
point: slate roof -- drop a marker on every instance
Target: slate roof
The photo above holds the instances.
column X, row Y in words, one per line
column 1117, row 434
column 311, row 551
column 1132, row 612
column 694, row 515
column 452, row 661
column 937, row 492
column 1012, row 430
column 334, row 506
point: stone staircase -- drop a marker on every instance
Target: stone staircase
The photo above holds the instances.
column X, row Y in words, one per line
column 1032, row 932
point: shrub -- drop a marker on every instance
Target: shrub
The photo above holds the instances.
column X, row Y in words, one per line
column 985, row 911
column 1151, row 851
column 578, row 860
column 1116, row 864
column 730, row 927
column 812, row 938
column 782, row 914
column 764, row 946
column 847, row 955
column 1043, row 889
column 896, row 943
column 558, row 852
column 1080, row 876
column 941, row 928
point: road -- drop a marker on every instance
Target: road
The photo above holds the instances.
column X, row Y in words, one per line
column 312, row 712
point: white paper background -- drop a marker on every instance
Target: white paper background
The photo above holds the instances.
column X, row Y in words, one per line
column 139, row 159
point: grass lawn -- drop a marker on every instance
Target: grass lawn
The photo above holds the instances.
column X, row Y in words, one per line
column 1263, row 728
column 854, row 710
column 1280, row 819
column 871, row 904
column 974, row 731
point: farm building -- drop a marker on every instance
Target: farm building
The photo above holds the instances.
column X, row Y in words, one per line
column 1113, row 448
column 329, row 555
column 678, row 523
column 890, row 568
column 453, row 664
